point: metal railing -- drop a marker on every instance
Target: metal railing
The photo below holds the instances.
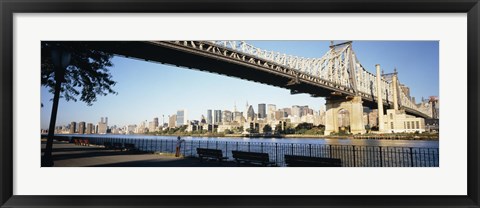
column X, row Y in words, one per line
column 351, row 155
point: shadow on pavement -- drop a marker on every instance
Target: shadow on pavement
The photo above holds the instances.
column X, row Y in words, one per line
column 184, row 162
column 76, row 149
column 86, row 154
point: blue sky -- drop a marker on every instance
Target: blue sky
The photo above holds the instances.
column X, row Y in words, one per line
column 147, row 90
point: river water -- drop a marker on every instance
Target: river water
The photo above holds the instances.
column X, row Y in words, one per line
column 320, row 141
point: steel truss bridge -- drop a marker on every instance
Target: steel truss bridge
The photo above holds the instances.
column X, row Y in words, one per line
column 337, row 73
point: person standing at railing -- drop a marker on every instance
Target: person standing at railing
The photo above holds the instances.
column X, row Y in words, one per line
column 179, row 146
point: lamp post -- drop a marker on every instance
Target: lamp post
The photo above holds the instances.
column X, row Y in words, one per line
column 60, row 59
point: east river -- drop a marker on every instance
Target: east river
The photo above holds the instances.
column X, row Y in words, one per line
column 320, row 141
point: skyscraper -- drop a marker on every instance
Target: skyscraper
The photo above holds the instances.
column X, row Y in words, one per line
column 279, row 114
column 238, row 117
column 217, row 116
column 271, row 108
column 172, row 121
column 89, row 128
column 296, row 111
column 81, row 127
column 102, row 126
column 181, row 118
column 250, row 114
column 209, row 117
column 73, row 128
column 227, row 116
column 262, row 111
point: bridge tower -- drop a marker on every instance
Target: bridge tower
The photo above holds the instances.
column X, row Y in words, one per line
column 352, row 104
column 381, row 124
column 340, row 103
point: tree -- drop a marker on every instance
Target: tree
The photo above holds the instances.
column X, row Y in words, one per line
column 304, row 125
column 267, row 128
column 86, row 76
column 71, row 69
column 278, row 129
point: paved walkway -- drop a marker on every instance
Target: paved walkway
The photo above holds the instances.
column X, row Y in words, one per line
column 70, row 155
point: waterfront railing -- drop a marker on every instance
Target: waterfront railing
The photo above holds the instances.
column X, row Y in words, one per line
column 351, row 155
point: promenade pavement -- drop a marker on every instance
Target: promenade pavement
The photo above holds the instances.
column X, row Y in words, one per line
column 70, row 155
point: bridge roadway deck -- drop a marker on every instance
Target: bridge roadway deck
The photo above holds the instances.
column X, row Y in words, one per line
column 183, row 57
column 69, row 155
column 203, row 62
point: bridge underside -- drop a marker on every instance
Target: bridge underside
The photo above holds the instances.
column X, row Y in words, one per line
column 182, row 57
column 171, row 56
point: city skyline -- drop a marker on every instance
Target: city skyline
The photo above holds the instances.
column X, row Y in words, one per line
column 165, row 120
column 161, row 89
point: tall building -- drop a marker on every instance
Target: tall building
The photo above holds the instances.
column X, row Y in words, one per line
column 435, row 106
column 250, row 114
column 102, row 126
column 306, row 110
column 287, row 111
column 262, row 111
column 73, row 128
column 155, row 122
column 279, row 114
column 153, row 125
column 209, row 117
column 217, row 116
column 203, row 120
column 245, row 112
column 238, row 117
column 142, row 128
column 131, row 129
column 296, row 111
column 227, row 116
column 81, row 127
column 89, row 128
column 172, row 121
column 271, row 108
column 181, row 118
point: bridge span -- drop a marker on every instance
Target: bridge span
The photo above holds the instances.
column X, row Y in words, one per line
column 338, row 75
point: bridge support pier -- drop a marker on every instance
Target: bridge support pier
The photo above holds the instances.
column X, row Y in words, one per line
column 353, row 105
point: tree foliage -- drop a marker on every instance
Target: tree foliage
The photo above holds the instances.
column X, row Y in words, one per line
column 87, row 75
column 304, row 125
column 267, row 128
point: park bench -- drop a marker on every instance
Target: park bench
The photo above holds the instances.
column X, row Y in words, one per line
column 76, row 142
column 252, row 157
column 130, row 147
column 108, row 145
column 86, row 142
column 305, row 161
column 118, row 146
column 210, row 153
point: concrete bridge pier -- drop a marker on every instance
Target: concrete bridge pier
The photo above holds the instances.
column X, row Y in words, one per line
column 348, row 109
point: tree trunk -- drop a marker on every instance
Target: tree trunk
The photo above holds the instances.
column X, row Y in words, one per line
column 47, row 160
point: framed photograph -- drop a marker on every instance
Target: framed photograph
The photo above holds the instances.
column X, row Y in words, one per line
column 245, row 104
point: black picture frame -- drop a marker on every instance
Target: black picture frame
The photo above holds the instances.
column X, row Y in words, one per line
column 10, row 7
